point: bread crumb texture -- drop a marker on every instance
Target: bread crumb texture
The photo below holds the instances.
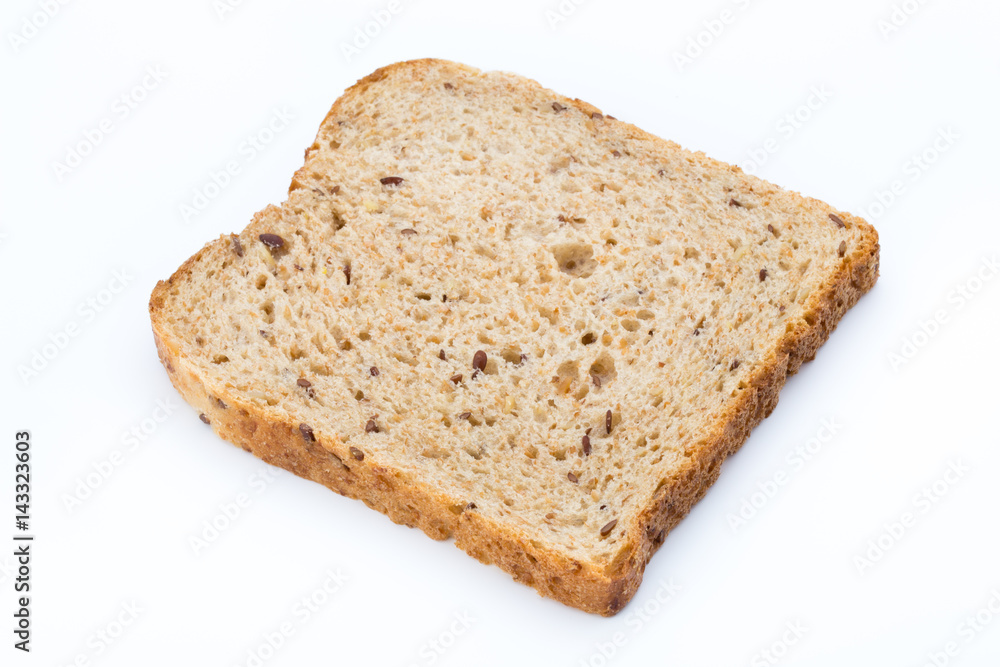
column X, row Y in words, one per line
column 497, row 314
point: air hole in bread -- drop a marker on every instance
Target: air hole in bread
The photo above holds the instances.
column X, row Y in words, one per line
column 551, row 314
column 575, row 259
column 512, row 355
column 267, row 309
column 603, row 368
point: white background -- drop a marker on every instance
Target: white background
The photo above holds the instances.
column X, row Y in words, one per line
column 901, row 425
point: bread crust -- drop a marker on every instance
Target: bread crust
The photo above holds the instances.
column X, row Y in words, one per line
column 587, row 586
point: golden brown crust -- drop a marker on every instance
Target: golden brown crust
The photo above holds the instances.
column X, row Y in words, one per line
column 583, row 585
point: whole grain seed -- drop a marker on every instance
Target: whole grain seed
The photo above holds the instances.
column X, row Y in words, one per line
column 237, row 245
column 272, row 241
column 479, row 360
column 307, row 433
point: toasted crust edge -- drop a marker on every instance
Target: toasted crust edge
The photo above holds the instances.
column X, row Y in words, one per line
column 587, row 586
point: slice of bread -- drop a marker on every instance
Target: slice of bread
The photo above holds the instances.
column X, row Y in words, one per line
column 493, row 313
